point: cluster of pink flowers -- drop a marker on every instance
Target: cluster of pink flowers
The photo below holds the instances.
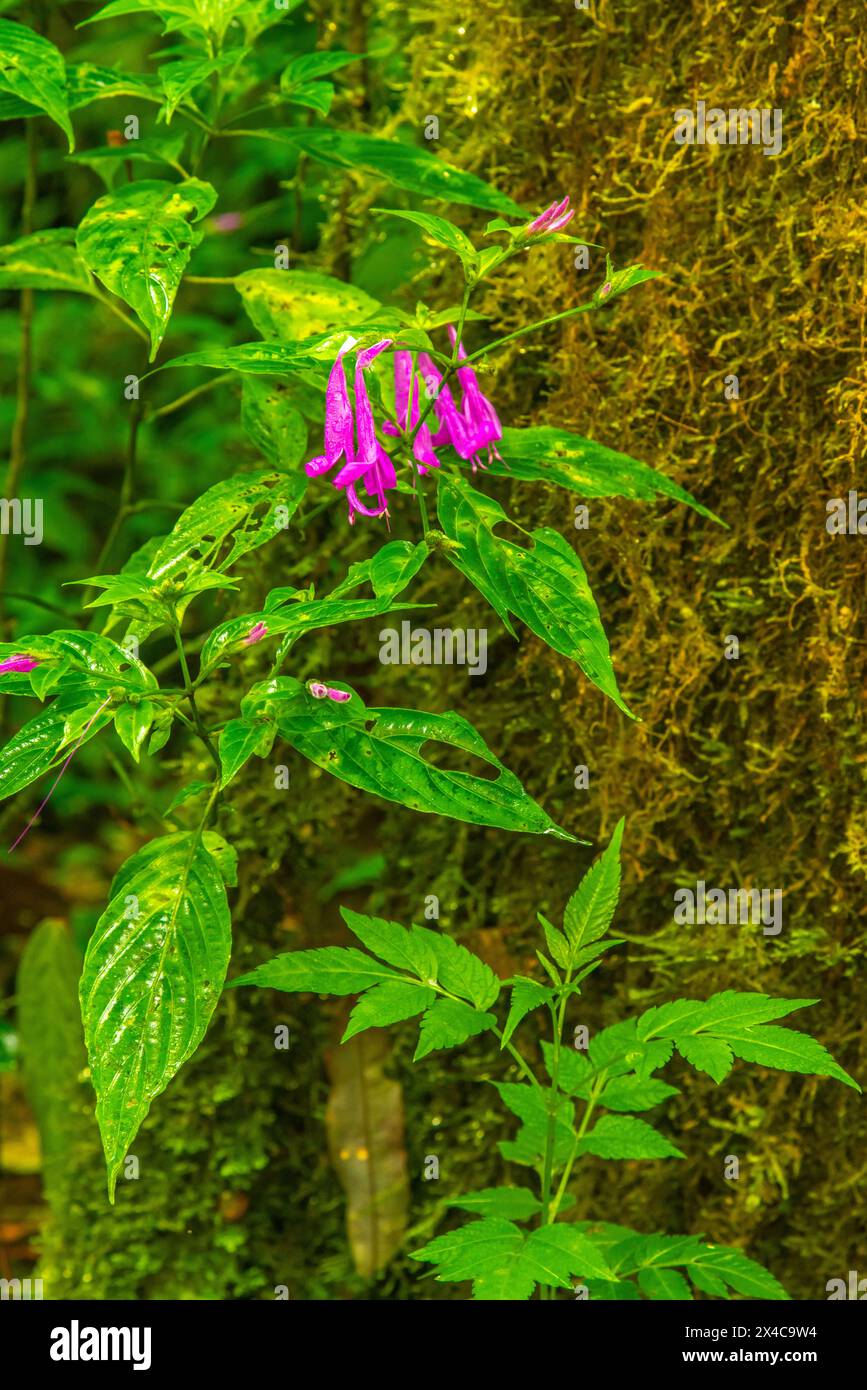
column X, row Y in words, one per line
column 351, row 438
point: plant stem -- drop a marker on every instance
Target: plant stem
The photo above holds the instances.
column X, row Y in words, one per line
column 529, row 328
column 190, row 694
column 190, row 395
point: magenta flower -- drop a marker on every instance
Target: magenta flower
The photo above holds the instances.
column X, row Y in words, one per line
column 472, row 427
column 355, row 441
column 319, row 691
column 553, row 219
column 18, row 663
column 256, row 633
column 408, row 414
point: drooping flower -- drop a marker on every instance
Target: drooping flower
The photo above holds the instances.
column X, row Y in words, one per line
column 320, row 691
column 474, row 425
column 354, row 440
column 18, row 663
column 256, row 633
column 553, row 219
column 408, row 412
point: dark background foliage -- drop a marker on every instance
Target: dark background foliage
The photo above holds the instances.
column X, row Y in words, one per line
column 746, row 772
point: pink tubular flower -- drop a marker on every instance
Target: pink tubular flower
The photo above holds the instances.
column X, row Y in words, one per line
column 472, row 427
column 319, row 691
column 553, row 219
column 408, row 413
column 355, row 440
column 18, row 663
column 256, row 633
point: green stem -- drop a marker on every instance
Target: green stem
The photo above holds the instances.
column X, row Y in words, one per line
column 190, row 395
column 529, row 328
column 189, row 692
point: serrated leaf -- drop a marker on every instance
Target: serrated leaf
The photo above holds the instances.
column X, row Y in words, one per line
column 153, row 973
column 463, row 973
column 138, row 241
column 326, row 970
column 447, row 1023
column 574, row 1072
column 506, row 1263
column 621, row 1136
column 32, row 70
column 786, row 1050
column 626, row 1093
column 664, row 1284
column 544, row 585
column 393, row 1001
column 527, row 995
column 509, row 1203
column 556, row 943
column 744, row 1275
column 530, row 1104
column 405, row 949
column 710, row 1055
column 563, row 459
column 730, row 1007
column 306, row 67
column 590, row 910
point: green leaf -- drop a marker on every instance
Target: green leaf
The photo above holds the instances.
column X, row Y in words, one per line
column 272, row 422
column 133, row 722
column 462, row 973
column 74, row 717
column 388, row 571
column 52, row 1044
column 391, row 1002
column 590, row 910
column 380, row 751
column 664, row 1284
column 45, row 261
column 239, row 740
column 153, row 973
column 410, row 950
column 730, row 1008
column 293, row 622
column 527, row 995
column 744, row 1275
column 182, row 77
column 562, row 459
column 258, row 358
column 33, row 71
column 232, row 518
column 447, row 1023
column 443, row 232
column 634, row 1093
column 509, row 1203
column 85, row 661
column 139, row 240
column 786, row 1050
column 404, row 165
column 616, row 1136
column 619, row 281
column 711, row 1055
column 506, row 1263
column 291, row 305
column 306, row 67
column 109, row 160
column 530, row 1104
column 574, row 1072
column 556, row 942
column 545, row 586
column 327, row 970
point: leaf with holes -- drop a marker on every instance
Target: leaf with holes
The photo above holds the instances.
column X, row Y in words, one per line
column 139, row 240
column 273, row 423
column 544, row 585
column 153, row 973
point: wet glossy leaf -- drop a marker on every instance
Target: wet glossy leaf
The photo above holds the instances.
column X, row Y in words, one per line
column 443, row 232
column 545, row 585
column 32, row 70
column 45, row 261
column 186, row 74
column 563, row 459
column 288, row 305
column 153, row 973
column 380, row 751
column 48, row 738
column 272, row 422
column 139, row 240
